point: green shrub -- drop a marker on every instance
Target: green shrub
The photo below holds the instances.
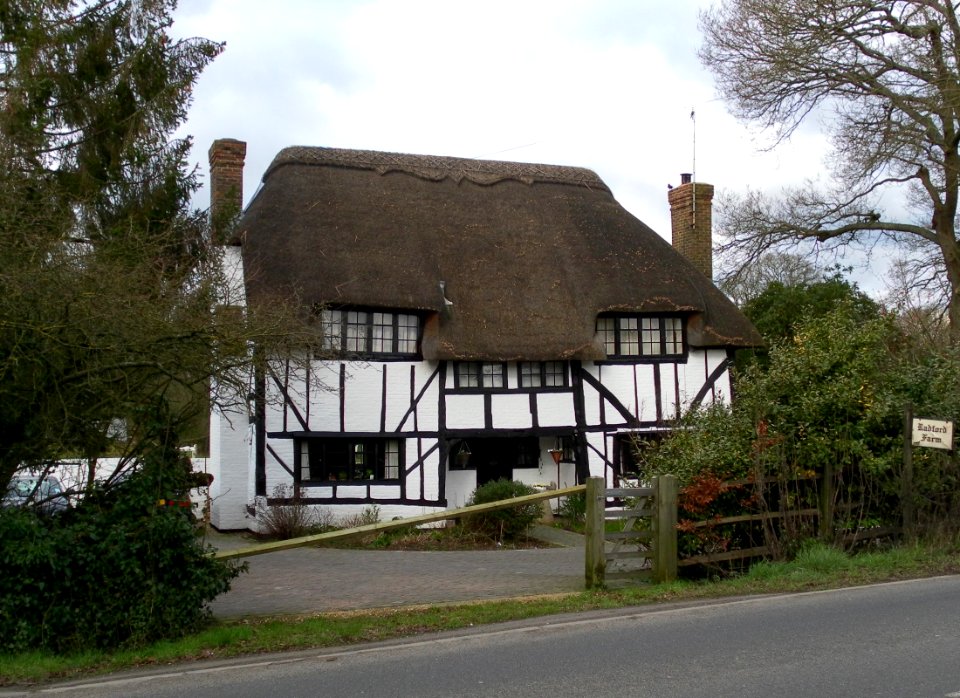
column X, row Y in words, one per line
column 504, row 524
column 119, row 570
column 574, row 507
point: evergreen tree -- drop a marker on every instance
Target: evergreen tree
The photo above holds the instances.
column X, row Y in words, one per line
column 107, row 278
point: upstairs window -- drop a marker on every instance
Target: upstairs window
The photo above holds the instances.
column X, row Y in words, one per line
column 370, row 332
column 476, row 374
column 543, row 374
column 638, row 336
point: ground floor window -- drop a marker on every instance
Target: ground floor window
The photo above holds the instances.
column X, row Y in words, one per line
column 350, row 459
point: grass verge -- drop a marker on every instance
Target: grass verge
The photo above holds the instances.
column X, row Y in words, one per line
column 815, row 567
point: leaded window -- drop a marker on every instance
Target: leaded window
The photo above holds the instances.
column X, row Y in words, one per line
column 350, row 459
column 543, row 374
column 370, row 332
column 639, row 336
column 477, row 374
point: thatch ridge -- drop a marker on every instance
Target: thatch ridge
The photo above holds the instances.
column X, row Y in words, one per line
column 435, row 167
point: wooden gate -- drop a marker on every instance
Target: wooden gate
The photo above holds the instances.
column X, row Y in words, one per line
column 646, row 533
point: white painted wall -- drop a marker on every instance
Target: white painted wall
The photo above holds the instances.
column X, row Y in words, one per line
column 511, row 411
column 230, row 450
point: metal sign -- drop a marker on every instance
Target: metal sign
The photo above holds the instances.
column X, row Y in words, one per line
column 932, row 433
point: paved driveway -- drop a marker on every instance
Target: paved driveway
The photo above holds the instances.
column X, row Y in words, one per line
column 308, row 580
column 321, row 579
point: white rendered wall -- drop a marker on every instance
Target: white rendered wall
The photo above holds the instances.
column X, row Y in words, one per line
column 229, row 464
column 465, row 411
column 231, row 263
column 511, row 411
column 460, row 487
column 555, row 409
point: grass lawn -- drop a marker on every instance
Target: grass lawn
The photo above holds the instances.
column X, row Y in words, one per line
column 816, row 567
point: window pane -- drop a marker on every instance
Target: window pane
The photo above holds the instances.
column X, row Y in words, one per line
column 408, row 327
column 362, row 459
column 493, row 375
column 468, row 375
column 651, row 336
column 605, row 329
column 555, row 373
column 332, row 329
column 357, row 331
column 529, row 375
column 305, row 461
column 391, row 460
column 629, row 336
column 673, row 330
column 382, row 340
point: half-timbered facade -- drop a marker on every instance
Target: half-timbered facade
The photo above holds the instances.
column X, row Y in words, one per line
column 479, row 320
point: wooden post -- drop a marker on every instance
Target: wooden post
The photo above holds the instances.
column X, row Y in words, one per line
column 906, row 480
column 665, row 529
column 827, row 496
column 596, row 563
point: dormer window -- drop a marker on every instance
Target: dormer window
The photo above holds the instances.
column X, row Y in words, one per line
column 641, row 336
column 370, row 332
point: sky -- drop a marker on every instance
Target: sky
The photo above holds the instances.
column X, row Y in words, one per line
column 603, row 84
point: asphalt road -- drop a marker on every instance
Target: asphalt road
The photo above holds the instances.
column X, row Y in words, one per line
column 900, row 639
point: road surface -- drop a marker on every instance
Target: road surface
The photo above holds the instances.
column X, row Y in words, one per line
column 899, row 639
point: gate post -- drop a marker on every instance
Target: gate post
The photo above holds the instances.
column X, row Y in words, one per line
column 665, row 529
column 596, row 562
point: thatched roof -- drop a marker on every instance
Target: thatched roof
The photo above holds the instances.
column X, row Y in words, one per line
column 530, row 254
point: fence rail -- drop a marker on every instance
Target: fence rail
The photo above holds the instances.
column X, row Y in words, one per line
column 360, row 531
column 650, row 528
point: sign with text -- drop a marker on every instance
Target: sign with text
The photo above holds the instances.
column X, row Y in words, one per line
column 932, row 434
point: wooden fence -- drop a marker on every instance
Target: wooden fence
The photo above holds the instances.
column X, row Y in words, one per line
column 650, row 530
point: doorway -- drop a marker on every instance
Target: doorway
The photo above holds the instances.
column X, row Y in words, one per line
column 495, row 458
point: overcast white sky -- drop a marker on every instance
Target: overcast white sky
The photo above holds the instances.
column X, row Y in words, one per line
column 603, row 84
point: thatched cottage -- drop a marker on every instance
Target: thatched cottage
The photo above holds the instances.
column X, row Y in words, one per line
column 481, row 320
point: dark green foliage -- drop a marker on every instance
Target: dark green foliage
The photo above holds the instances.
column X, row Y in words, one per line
column 504, row 524
column 779, row 307
column 829, row 404
column 106, row 275
column 574, row 507
column 118, row 570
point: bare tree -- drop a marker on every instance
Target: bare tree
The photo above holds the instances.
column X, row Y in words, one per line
column 744, row 283
column 884, row 77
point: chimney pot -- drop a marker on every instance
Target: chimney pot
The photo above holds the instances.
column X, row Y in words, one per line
column 686, row 178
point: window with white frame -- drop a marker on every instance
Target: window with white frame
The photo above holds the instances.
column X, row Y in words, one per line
column 641, row 336
column 543, row 374
column 350, row 459
column 370, row 332
column 480, row 374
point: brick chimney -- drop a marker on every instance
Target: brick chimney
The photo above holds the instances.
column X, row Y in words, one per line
column 226, row 187
column 691, row 217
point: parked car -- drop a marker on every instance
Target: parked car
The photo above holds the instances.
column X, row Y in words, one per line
column 25, row 490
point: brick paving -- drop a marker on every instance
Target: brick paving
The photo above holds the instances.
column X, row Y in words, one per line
column 308, row 580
